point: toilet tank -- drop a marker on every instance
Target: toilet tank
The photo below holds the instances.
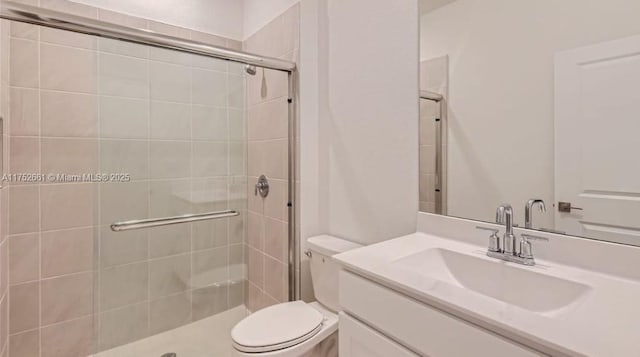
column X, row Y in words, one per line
column 324, row 269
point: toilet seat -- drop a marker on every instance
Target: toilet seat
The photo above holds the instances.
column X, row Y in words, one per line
column 277, row 327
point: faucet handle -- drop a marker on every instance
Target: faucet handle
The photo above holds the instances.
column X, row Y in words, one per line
column 526, row 251
column 494, row 240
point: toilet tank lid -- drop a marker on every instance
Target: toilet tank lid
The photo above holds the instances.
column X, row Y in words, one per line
column 329, row 245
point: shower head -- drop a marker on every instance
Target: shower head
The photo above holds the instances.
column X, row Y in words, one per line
column 250, row 69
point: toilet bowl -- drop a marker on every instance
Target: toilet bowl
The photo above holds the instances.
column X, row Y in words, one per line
column 294, row 328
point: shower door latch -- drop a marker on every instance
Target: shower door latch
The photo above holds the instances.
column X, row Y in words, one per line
column 262, row 187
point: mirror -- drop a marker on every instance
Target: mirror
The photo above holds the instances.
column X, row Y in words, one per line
column 541, row 101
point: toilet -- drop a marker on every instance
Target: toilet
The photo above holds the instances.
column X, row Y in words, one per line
column 294, row 328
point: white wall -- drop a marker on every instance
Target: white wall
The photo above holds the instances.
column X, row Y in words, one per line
column 258, row 13
column 501, row 90
column 220, row 17
column 359, row 118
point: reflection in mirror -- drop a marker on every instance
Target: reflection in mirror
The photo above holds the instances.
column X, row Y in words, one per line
column 540, row 110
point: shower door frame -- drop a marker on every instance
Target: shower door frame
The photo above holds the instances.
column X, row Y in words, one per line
column 59, row 20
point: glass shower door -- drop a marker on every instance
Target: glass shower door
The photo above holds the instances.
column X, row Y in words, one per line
column 111, row 131
column 173, row 126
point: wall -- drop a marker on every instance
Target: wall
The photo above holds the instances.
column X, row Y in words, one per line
column 258, row 13
column 359, row 142
column 501, row 91
column 267, row 94
column 176, row 123
column 219, row 17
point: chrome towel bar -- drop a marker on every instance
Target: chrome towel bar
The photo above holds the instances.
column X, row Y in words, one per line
column 165, row 221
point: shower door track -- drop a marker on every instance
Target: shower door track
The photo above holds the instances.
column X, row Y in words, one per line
column 59, row 20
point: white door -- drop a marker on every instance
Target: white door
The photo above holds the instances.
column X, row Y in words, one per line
column 597, row 137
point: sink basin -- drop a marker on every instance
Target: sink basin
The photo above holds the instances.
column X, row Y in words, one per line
column 518, row 286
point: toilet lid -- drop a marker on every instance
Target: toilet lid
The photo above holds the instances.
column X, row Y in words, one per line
column 277, row 327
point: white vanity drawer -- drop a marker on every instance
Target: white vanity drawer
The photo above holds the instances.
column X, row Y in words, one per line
column 419, row 326
column 358, row 340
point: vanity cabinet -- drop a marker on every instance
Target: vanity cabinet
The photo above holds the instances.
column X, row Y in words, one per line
column 359, row 340
column 374, row 317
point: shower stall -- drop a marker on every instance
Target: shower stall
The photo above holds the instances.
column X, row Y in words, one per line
column 144, row 143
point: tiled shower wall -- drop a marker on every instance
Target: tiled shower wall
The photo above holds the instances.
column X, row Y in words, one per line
column 433, row 77
column 267, row 95
column 176, row 123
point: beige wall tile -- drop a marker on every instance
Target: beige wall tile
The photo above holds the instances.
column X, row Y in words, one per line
column 427, row 159
column 169, row 159
column 26, row 31
column 255, row 230
column 124, row 325
column 210, row 267
column 24, row 63
column 237, row 124
column 67, row 297
column 26, row 344
column 67, row 38
column 170, row 82
column 169, row 240
column 236, row 91
column 123, row 201
column 169, row 275
column 170, row 30
column 275, row 279
column 209, row 88
column 210, row 159
column 123, row 76
column 169, row 197
column 170, row 56
column 275, row 159
column 24, row 112
column 24, row 258
column 23, row 209
column 124, row 285
column 123, row 19
column 209, row 234
column 237, row 263
column 70, row 7
column 124, row 118
column 67, row 69
column 169, row 312
column 123, row 48
column 69, row 114
column 24, row 155
column 170, row 121
column 275, row 205
column 68, row 206
column 69, row 156
column 68, row 251
column 125, row 156
column 68, row 339
column 255, row 261
column 117, row 248
column 275, row 242
column 24, row 307
column 209, row 123
column 209, row 301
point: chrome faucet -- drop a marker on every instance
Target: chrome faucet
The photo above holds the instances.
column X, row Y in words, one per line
column 508, row 239
column 504, row 215
column 528, row 211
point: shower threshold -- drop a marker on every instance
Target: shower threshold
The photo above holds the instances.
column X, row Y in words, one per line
column 204, row 338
